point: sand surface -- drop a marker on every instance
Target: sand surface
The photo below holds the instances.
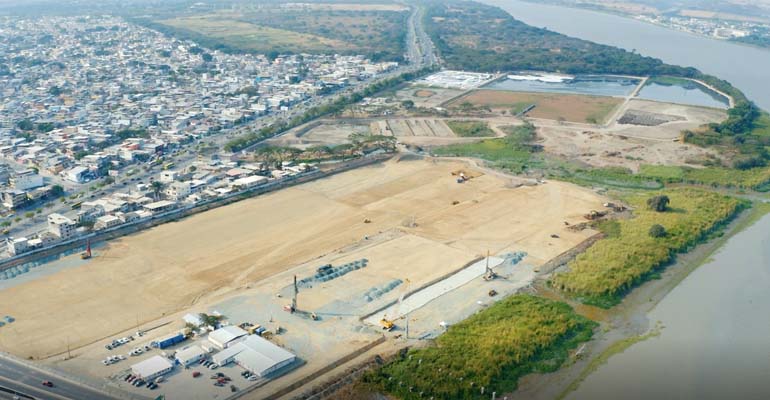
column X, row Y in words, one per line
column 171, row 267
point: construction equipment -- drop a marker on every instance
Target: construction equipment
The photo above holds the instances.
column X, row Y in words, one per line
column 492, row 293
column 489, row 274
column 86, row 254
column 390, row 324
column 292, row 308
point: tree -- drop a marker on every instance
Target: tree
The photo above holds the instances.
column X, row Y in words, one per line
column 211, row 320
column 57, row 190
column 157, row 187
column 657, row 231
column 658, row 203
column 25, row 125
column 408, row 104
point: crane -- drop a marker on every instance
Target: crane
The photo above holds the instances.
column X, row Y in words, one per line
column 389, row 324
column 292, row 308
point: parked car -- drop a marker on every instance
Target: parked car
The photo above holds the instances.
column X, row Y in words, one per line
column 196, row 374
column 47, row 383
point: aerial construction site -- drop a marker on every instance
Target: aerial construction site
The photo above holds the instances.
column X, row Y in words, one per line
column 405, row 243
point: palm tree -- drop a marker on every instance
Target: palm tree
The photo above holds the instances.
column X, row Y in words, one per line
column 157, row 187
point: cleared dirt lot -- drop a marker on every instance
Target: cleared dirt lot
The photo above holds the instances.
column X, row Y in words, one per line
column 174, row 266
column 556, row 106
column 327, row 133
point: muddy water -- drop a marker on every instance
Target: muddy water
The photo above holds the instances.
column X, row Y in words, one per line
column 715, row 343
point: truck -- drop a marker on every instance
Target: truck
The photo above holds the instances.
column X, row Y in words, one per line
column 169, row 341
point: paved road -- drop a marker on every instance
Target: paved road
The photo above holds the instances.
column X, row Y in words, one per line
column 27, row 380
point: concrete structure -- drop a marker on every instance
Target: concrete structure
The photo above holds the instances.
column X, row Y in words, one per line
column 189, row 355
column 178, row 190
column 249, row 181
column 152, row 367
column 160, row 206
column 26, row 181
column 61, row 226
column 15, row 198
column 17, row 245
column 168, row 176
column 226, row 336
column 257, row 355
column 77, row 174
column 107, row 221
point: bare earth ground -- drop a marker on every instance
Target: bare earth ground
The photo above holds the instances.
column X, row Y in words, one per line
column 630, row 145
column 555, row 106
column 171, row 267
column 329, row 133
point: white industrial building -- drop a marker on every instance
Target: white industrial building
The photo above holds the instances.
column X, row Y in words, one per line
column 189, row 355
column 226, row 336
column 257, row 355
column 152, row 367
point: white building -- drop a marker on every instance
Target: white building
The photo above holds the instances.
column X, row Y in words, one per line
column 194, row 319
column 249, row 181
column 257, row 355
column 77, row 174
column 178, row 190
column 226, row 336
column 61, row 226
column 17, row 245
column 189, row 355
column 168, row 176
column 107, row 221
column 152, row 367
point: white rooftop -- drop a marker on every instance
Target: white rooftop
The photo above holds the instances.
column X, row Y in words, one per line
column 226, row 334
column 151, row 366
column 189, row 353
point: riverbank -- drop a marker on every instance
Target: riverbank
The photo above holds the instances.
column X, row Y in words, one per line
column 627, row 323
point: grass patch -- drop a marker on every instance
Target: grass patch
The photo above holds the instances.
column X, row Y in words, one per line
column 492, row 349
column 513, row 152
column 470, row 128
column 613, row 266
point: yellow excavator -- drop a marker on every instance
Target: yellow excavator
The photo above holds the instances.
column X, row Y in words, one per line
column 389, row 324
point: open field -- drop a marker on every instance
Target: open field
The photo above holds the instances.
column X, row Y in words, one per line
column 247, row 36
column 556, row 106
column 346, row 6
column 172, row 267
column 327, row 133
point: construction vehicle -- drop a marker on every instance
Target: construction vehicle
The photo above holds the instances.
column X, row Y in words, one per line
column 390, row 324
column 292, row 308
column 86, row 254
column 489, row 274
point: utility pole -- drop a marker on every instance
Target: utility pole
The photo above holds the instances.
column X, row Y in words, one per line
column 294, row 298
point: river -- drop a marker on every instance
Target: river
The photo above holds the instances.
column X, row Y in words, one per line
column 748, row 68
column 715, row 343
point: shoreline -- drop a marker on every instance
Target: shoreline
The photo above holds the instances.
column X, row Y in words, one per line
column 631, row 17
column 627, row 323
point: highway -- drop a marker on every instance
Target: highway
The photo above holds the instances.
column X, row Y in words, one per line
column 28, row 380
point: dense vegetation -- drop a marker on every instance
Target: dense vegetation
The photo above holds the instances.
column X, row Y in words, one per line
column 754, row 179
column 336, row 106
column 470, row 128
column 492, row 349
column 512, row 152
column 274, row 30
column 614, row 265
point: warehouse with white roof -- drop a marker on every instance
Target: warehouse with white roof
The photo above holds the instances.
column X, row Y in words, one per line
column 152, row 367
column 189, row 355
column 225, row 336
column 257, row 355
